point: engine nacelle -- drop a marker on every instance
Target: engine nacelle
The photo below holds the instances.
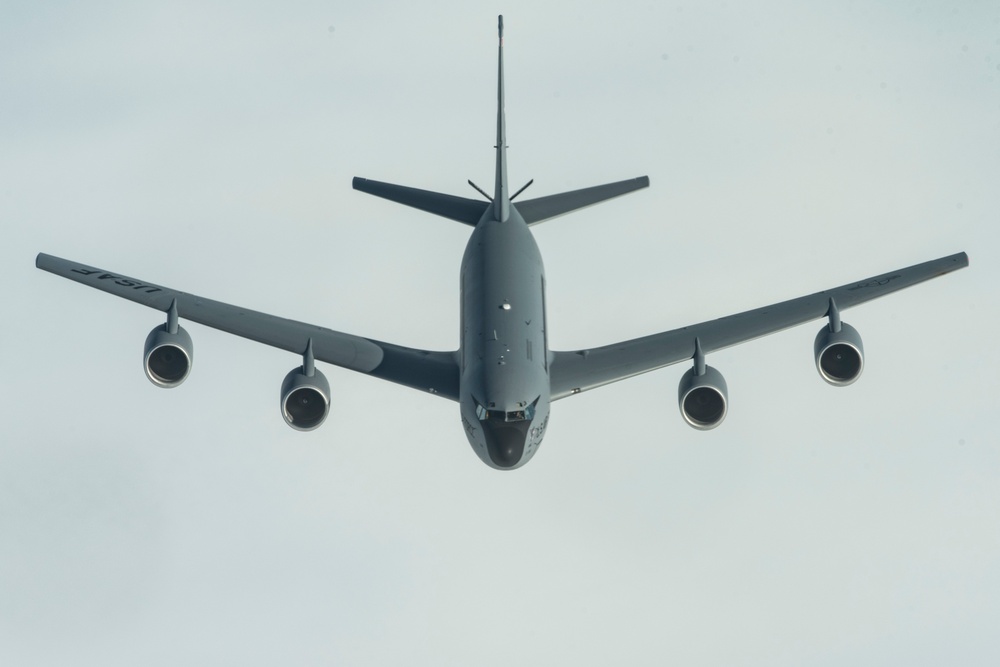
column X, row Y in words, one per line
column 168, row 356
column 703, row 399
column 840, row 356
column 305, row 399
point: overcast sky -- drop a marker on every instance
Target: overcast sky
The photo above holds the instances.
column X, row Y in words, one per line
column 209, row 146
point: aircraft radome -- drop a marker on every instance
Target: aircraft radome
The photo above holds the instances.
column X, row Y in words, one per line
column 503, row 375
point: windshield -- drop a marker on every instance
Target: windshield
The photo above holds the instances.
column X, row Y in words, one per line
column 525, row 413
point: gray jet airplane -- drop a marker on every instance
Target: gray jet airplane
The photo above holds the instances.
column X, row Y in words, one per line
column 503, row 375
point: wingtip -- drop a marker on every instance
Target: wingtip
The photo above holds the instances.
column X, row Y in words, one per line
column 959, row 260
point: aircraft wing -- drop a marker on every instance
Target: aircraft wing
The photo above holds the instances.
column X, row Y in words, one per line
column 580, row 370
column 434, row 372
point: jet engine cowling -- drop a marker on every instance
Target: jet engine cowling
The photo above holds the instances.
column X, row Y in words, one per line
column 167, row 357
column 305, row 399
column 840, row 355
column 703, row 399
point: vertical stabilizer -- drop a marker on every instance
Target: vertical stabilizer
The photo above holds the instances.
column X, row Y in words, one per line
column 501, row 200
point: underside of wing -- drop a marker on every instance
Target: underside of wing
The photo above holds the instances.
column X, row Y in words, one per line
column 580, row 370
column 538, row 210
column 433, row 372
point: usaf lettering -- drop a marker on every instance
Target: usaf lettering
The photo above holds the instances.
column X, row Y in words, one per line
column 124, row 282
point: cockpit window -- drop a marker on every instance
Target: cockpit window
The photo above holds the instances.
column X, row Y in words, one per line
column 526, row 413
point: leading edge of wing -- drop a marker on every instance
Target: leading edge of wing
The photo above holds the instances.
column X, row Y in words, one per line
column 580, row 370
column 433, row 372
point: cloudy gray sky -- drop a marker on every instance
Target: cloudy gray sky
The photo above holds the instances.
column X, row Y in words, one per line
column 210, row 147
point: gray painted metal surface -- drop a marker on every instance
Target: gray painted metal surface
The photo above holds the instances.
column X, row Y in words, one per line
column 503, row 375
column 576, row 371
column 436, row 372
column 545, row 208
column 461, row 209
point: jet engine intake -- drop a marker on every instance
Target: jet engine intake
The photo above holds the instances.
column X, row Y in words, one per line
column 703, row 399
column 305, row 399
column 840, row 356
column 168, row 356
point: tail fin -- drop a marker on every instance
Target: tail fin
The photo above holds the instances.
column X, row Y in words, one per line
column 471, row 211
column 501, row 200
column 543, row 208
column 461, row 209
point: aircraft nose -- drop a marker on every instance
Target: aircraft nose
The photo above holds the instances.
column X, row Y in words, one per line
column 505, row 443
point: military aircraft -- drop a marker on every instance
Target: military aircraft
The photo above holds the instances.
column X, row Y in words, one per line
column 503, row 375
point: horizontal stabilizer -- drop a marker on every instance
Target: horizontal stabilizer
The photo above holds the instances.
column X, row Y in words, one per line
column 543, row 208
column 461, row 209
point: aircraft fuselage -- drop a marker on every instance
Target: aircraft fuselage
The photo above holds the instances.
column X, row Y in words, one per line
column 504, row 353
